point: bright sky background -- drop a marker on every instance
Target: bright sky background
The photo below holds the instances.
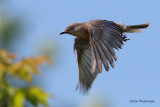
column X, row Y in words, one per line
column 136, row 74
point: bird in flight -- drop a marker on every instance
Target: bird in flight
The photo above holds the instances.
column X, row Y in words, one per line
column 95, row 44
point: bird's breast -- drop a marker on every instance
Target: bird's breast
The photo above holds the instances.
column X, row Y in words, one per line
column 83, row 31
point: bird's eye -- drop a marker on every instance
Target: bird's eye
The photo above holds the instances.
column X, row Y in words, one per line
column 71, row 28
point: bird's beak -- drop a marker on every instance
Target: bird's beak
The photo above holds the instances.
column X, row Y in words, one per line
column 63, row 32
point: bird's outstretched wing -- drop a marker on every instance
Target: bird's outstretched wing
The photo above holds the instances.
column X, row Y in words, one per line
column 83, row 56
column 105, row 36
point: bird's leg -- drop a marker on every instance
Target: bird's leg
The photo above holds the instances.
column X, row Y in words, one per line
column 124, row 37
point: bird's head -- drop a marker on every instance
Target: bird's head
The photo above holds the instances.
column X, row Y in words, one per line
column 74, row 29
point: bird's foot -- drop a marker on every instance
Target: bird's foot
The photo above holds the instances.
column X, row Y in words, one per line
column 124, row 37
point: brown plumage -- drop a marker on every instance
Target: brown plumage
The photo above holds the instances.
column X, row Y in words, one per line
column 94, row 45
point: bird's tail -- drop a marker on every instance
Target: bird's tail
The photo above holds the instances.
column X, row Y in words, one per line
column 135, row 28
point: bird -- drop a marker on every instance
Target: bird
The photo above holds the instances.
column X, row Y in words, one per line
column 95, row 45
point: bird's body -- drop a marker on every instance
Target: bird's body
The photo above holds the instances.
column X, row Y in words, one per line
column 94, row 45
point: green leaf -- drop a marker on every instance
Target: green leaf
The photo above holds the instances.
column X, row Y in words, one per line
column 6, row 57
column 26, row 67
column 18, row 99
column 36, row 96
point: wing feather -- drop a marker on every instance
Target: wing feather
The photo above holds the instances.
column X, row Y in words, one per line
column 82, row 50
column 109, row 48
column 112, row 38
column 103, row 57
column 105, row 36
column 98, row 59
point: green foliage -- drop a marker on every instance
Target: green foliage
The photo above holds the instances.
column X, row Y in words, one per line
column 24, row 70
column 10, row 29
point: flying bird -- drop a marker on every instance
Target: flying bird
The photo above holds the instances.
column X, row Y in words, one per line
column 95, row 44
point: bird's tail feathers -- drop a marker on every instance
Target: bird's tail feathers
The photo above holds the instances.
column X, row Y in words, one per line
column 135, row 28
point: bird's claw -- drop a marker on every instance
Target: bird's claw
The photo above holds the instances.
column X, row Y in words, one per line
column 124, row 38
